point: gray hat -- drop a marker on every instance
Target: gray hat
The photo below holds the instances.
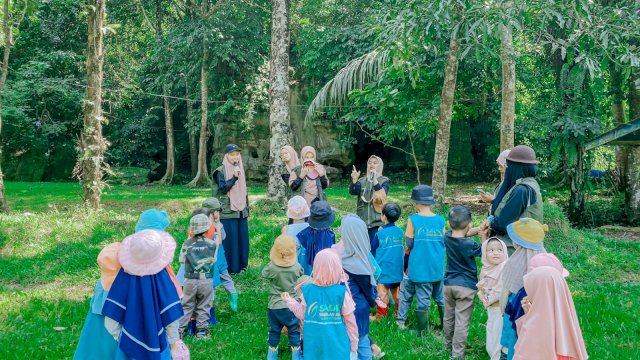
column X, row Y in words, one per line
column 322, row 216
column 423, row 194
column 523, row 154
column 212, row 203
column 200, row 224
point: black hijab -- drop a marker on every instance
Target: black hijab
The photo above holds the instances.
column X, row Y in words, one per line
column 515, row 171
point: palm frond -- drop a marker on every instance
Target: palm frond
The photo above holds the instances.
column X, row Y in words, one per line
column 356, row 75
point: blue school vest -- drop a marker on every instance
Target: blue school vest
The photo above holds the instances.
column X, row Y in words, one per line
column 426, row 261
column 325, row 335
column 390, row 254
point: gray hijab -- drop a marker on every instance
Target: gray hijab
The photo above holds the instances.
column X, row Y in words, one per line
column 516, row 267
column 355, row 237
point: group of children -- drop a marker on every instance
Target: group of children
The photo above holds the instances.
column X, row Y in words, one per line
column 324, row 298
column 321, row 293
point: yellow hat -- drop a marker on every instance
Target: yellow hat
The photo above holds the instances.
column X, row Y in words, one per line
column 109, row 264
column 283, row 251
column 528, row 233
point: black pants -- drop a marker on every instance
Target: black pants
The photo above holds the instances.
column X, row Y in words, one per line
column 279, row 318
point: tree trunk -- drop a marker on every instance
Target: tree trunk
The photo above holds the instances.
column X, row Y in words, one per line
column 441, row 157
column 633, row 155
column 508, row 113
column 7, row 29
column 617, row 107
column 278, row 97
column 171, row 152
column 202, row 175
column 576, row 200
column 91, row 142
column 193, row 148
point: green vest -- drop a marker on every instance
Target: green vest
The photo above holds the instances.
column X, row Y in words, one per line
column 303, row 186
column 364, row 209
column 226, row 212
column 533, row 211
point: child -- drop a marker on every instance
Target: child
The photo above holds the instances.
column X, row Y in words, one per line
column 330, row 334
column 390, row 257
column 215, row 207
column 460, row 280
column 527, row 236
column 95, row 341
column 425, row 239
column 283, row 271
column 198, row 254
column 142, row 309
column 298, row 211
column 550, row 329
column 318, row 235
column 494, row 256
column 357, row 265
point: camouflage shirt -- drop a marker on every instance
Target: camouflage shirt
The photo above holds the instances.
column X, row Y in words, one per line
column 198, row 255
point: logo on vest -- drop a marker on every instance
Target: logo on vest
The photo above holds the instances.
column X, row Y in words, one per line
column 323, row 312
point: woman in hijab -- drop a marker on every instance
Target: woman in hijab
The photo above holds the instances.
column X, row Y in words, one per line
column 519, row 195
column 550, row 329
column 230, row 187
column 371, row 191
column 502, row 167
column 358, row 266
column 290, row 160
column 309, row 178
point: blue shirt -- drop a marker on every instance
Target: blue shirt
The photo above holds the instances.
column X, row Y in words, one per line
column 390, row 253
column 461, row 262
column 426, row 262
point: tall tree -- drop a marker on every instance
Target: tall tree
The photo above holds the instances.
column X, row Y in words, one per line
column 508, row 113
column 443, row 134
column 92, row 144
column 617, row 107
column 8, row 23
column 633, row 154
column 278, row 96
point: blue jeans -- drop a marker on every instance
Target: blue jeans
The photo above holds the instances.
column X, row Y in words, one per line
column 364, row 348
column 279, row 318
column 423, row 293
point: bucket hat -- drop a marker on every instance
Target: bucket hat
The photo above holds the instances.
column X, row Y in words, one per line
column 423, row 194
column 212, row 203
column 200, row 224
column 146, row 252
column 523, row 154
column 528, row 233
column 109, row 264
column 322, row 216
column 283, row 251
column 297, row 208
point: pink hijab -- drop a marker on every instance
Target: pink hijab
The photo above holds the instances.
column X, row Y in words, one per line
column 295, row 161
column 327, row 268
column 491, row 275
column 238, row 192
column 311, row 188
column 550, row 328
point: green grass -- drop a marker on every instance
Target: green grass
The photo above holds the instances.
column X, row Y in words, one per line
column 49, row 243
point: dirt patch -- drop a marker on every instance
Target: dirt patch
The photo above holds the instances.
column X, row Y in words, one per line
column 620, row 232
column 473, row 202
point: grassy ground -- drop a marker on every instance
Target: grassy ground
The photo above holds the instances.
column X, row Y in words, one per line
column 48, row 247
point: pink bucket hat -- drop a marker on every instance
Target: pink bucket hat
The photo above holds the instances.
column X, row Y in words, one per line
column 297, row 208
column 109, row 264
column 147, row 252
column 547, row 259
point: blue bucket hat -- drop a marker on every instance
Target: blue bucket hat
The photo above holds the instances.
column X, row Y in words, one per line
column 322, row 216
column 423, row 194
column 153, row 219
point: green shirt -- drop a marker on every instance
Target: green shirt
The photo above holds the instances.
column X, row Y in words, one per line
column 281, row 279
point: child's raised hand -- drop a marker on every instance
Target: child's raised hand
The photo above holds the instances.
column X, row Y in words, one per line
column 286, row 297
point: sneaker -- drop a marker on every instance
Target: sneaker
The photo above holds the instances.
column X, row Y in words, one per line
column 401, row 325
column 202, row 334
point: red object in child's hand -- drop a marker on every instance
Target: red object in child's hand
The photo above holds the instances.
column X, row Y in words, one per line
column 309, row 163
